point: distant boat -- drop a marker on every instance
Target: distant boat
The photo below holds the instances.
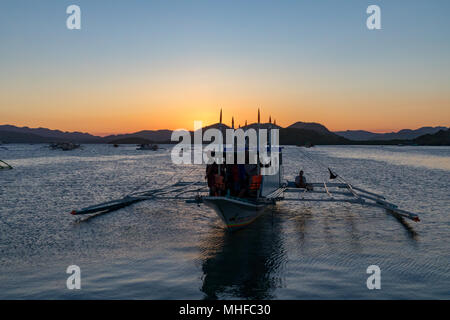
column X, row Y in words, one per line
column 306, row 145
column 65, row 146
column 148, row 146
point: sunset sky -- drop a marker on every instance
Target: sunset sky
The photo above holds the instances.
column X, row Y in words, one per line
column 138, row 65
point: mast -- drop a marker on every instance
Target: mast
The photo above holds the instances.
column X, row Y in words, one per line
column 269, row 135
column 222, row 146
column 257, row 147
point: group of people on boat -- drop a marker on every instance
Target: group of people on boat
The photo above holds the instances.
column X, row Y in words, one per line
column 239, row 180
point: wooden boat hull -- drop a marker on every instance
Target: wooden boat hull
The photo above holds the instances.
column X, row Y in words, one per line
column 236, row 213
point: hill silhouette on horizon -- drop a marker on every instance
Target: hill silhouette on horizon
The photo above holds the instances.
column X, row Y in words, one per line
column 299, row 133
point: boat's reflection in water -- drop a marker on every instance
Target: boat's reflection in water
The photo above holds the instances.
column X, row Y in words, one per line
column 251, row 263
column 245, row 264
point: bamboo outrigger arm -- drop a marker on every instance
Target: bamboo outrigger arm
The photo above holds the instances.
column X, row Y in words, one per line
column 172, row 192
column 351, row 194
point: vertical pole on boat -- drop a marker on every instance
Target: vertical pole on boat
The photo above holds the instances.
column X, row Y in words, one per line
column 222, row 147
column 269, row 137
column 258, row 170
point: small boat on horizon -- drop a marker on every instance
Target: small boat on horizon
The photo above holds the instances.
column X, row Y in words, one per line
column 65, row 146
column 148, row 146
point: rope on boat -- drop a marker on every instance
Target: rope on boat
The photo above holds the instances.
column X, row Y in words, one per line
column 171, row 178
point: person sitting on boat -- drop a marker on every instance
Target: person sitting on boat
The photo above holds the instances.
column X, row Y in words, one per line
column 300, row 180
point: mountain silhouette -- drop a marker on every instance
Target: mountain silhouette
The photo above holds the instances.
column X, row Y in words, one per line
column 152, row 135
column 405, row 134
column 440, row 138
column 299, row 133
column 47, row 134
column 313, row 126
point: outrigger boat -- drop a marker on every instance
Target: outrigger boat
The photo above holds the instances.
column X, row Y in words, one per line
column 236, row 212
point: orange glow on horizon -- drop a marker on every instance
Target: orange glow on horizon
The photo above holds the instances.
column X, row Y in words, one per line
column 183, row 118
column 176, row 102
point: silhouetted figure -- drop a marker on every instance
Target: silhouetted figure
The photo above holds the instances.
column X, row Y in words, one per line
column 211, row 172
column 300, row 180
column 243, row 180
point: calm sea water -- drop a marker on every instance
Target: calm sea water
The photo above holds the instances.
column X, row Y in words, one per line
column 174, row 250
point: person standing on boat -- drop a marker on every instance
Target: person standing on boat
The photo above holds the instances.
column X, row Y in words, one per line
column 211, row 172
column 236, row 183
column 228, row 179
column 243, row 180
